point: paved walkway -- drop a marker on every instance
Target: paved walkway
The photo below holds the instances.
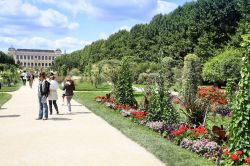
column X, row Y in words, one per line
column 81, row 138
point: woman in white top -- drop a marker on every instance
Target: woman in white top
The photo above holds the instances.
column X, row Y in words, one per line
column 53, row 94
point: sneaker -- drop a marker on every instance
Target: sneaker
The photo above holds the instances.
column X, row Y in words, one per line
column 45, row 118
column 38, row 118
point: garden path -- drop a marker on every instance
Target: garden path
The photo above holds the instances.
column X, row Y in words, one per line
column 80, row 138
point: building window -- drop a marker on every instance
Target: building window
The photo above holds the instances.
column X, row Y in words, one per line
column 17, row 57
column 24, row 64
column 35, row 57
column 46, row 64
column 49, row 57
column 49, row 64
column 35, row 64
column 46, row 58
column 42, row 57
column 24, row 57
column 28, row 64
column 39, row 58
column 42, row 64
column 21, row 57
column 32, row 57
column 53, row 58
column 32, row 64
column 28, row 57
column 21, row 63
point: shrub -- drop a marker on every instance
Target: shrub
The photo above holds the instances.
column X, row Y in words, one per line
column 142, row 79
column 74, row 72
column 160, row 106
column 223, row 66
column 212, row 94
column 124, row 90
column 190, row 78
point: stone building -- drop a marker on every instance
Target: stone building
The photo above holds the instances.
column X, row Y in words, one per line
column 34, row 57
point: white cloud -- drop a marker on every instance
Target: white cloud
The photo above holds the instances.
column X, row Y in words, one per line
column 25, row 16
column 165, row 7
column 67, row 43
column 114, row 9
column 125, row 27
column 103, row 36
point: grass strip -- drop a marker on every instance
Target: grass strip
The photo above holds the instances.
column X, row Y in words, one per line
column 4, row 97
column 11, row 88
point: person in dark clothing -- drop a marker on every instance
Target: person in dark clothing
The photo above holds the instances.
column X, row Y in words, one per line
column 69, row 87
column 42, row 97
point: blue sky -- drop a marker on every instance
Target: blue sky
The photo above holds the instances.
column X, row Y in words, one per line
column 72, row 24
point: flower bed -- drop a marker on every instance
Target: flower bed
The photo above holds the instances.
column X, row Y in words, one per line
column 191, row 138
column 212, row 94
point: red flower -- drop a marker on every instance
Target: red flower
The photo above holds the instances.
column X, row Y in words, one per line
column 201, row 130
column 234, row 157
column 196, row 134
column 176, row 133
column 182, row 128
column 226, row 152
column 247, row 160
column 239, row 152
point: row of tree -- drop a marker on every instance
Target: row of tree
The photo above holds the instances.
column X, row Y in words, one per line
column 203, row 27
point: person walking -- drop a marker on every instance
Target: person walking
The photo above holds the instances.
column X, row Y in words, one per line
column 53, row 94
column 31, row 79
column 69, row 87
column 43, row 90
column 24, row 77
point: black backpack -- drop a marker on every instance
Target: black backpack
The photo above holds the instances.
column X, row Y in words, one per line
column 46, row 90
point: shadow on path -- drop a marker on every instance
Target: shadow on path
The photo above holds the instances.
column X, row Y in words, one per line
column 9, row 116
column 60, row 119
column 3, row 108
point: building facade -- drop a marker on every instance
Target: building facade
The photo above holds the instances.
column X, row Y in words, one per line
column 34, row 57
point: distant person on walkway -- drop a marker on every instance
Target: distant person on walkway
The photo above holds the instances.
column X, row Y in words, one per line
column 53, row 94
column 43, row 91
column 24, row 77
column 69, row 87
column 30, row 78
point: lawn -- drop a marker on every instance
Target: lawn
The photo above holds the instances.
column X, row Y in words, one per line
column 166, row 151
column 11, row 88
column 4, row 97
column 86, row 86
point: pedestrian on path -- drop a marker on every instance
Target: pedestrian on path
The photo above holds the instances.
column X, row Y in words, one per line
column 69, row 87
column 24, row 77
column 31, row 79
column 43, row 91
column 53, row 94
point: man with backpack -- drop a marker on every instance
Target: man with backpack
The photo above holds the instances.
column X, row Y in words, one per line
column 43, row 92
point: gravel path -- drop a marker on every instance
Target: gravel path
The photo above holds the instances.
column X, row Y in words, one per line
column 80, row 138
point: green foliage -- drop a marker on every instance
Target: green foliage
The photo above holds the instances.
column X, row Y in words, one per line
column 222, row 67
column 63, row 70
column 201, row 27
column 9, row 75
column 6, row 58
column 230, row 91
column 240, row 124
column 191, row 78
column 160, row 106
column 75, row 72
column 124, row 90
column 169, row 65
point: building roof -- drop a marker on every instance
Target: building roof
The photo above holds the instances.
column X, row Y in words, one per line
column 35, row 50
